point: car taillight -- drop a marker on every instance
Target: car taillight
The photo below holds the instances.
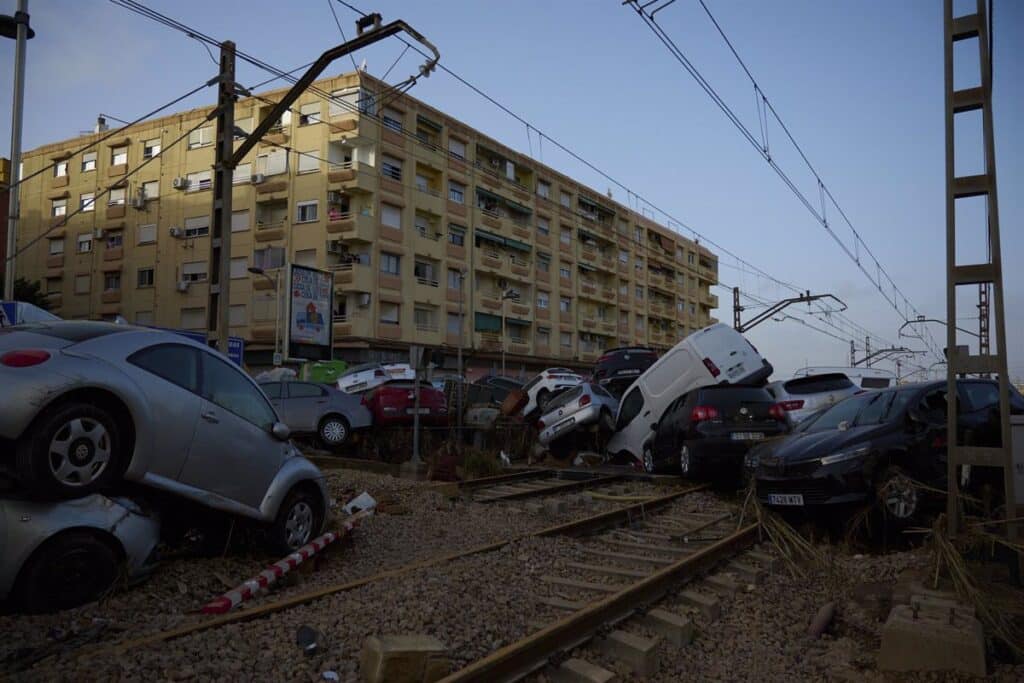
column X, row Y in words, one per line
column 584, row 400
column 540, row 425
column 24, row 358
column 778, row 410
column 792, row 405
column 603, row 359
column 712, row 368
column 702, row 413
column 378, row 373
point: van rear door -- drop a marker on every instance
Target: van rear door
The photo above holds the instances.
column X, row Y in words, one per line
column 729, row 357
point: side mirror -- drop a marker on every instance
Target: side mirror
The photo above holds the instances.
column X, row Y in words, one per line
column 280, row 431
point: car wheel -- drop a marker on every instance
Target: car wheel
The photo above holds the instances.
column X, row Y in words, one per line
column 648, row 460
column 74, row 449
column 66, row 571
column 685, row 461
column 543, row 398
column 298, row 519
column 334, row 431
column 898, row 494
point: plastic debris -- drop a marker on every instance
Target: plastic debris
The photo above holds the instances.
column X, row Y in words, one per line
column 308, row 639
column 364, row 501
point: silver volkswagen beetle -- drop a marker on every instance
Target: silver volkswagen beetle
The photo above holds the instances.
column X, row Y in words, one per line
column 86, row 404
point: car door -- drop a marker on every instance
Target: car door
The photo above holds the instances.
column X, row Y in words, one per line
column 663, row 444
column 234, row 453
column 305, row 404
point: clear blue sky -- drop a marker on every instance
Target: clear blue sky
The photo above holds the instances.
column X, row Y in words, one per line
column 859, row 83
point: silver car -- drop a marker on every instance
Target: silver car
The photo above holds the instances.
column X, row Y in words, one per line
column 802, row 397
column 584, row 405
column 309, row 408
column 86, row 404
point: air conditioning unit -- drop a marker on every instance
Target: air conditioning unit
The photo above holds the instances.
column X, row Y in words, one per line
column 257, row 178
column 364, row 299
column 182, row 285
column 333, row 197
column 180, row 183
column 176, row 232
column 98, row 232
column 334, row 247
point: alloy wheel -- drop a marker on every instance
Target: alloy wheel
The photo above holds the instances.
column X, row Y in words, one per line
column 79, row 452
column 299, row 525
column 900, row 496
column 334, row 432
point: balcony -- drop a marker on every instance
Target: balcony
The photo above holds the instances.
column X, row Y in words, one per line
column 488, row 341
column 519, row 311
column 490, row 260
column 489, row 300
column 351, row 277
column 355, row 227
column 709, row 300
column 351, row 325
column 587, row 289
column 352, row 177
column 519, row 266
column 428, row 242
column 430, row 199
column 389, row 331
column 427, row 291
column 267, row 231
column 587, row 254
column 607, row 294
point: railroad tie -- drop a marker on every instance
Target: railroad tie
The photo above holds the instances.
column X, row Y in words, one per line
column 561, row 603
column 583, row 585
column 610, row 571
column 769, row 562
column 707, row 604
column 675, row 628
column 628, row 557
column 637, row 653
column 630, row 534
column 580, row 671
column 723, row 585
column 649, row 547
column 750, row 573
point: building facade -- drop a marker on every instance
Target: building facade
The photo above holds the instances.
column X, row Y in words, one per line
column 417, row 215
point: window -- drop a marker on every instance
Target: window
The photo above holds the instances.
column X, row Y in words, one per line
column 115, row 239
column 454, row 279
column 543, row 336
column 144, row 277
column 60, row 169
column 456, row 235
column 272, row 163
column 226, row 386
column 631, row 406
column 640, row 323
column 85, row 243
column 193, row 318
column 981, row 395
column 88, row 161
column 198, row 181
column 566, row 235
column 456, row 192
column 693, row 309
column 200, row 138
column 639, row 292
column 423, row 270
column 57, row 246
column 392, row 118
column 423, row 318
column 351, row 100
column 240, row 220
column 457, row 148
column 150, row 148
column 116, row 197
column 564, row 272
column 623, row 288
column 454, row 324
column 544, row 189
column 239, row 267
column 565, row 199
column 144, row 317
column 118, row 156
column 543, row 227
column 198, row 226
column 176, row 363
column 638, row 234
column 565, row 339
column 306, row 257
column 308, row 162
column 389, row 313
column 242, row 174
column 391, row 167
column 390, row 263
column 485, row 322
column 309, row 114
column 391, row 216
column 691, row 259
column 564, row 304
column 111, row 281
column 542, row 300
column 87, row 201
column 623, row 256
column 237, row 316
column 268, row 258
column 82, row 283
column 59, row 207
column 193, row 271
column 272, row 390
column 53, row 285
column 305, row 390
column 306, row 212
column 243, row 126
column 151, row 189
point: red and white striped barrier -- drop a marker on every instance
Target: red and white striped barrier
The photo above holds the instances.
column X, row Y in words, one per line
column 271, row 574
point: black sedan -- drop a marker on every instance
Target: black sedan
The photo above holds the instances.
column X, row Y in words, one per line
column 708, row 431
column 616, row 369
column 876, row 444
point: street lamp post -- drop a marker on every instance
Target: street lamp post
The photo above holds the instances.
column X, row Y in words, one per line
column 458, row 384
column 276, row 284
column 505, row 296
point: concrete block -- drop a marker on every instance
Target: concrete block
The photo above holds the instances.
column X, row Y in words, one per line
column 707, row 604
column 581, row 671
column 403, row 659
column 750, row 573
column 932, row 642
column 534, row 507
column 723, row 585
column 554, row 506
column 675, row 628
column 769, row 562
column 940, row 606
column 639, row 654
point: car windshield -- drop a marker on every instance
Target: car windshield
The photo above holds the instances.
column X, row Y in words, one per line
column 844, row 411
column 818, row 384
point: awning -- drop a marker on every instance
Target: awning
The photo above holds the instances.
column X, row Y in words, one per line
column 485, row 322
column 586, row 233
column 420, row 118
column 490, row 195
column 584, row 266
column 490, row 237
column 518, row 207
column 517, row 321
column 517, row 245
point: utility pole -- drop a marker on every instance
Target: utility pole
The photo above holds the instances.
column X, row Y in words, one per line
column 770, row 311
column 984, row 341
column 219, row 308
column 736, row 309
column 21, row 34
column 853, row 354
column 867, row 351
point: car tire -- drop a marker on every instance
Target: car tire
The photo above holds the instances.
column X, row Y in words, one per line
column 543, row 398
column 334, row 431
column 67, row 570
column 898, row 495
column 71, row 450
column 648, row 461
column 298, row 520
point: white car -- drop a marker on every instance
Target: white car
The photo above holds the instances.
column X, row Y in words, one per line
column 360, row 378
column 865, row 378
column 801, row 397
column 545, row 385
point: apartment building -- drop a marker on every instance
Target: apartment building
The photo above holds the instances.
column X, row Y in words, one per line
column 417, row 215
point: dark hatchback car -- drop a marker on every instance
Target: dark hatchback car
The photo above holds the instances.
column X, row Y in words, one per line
column 709, row 431
column 876, row 443
column 616, row 369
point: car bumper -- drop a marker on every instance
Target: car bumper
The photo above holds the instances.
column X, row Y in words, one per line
column 837, row 484
column 569, row 423
column 719, row 452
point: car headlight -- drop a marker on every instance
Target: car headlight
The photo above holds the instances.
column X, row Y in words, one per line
column 849, row 454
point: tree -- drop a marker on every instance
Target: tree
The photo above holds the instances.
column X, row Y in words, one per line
column 29, row 292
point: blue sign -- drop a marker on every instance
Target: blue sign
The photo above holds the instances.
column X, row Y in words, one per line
column 8, row 313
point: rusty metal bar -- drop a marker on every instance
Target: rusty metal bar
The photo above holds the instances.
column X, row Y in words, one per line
column 556, row 488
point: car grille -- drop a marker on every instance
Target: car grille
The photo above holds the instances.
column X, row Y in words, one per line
column 814, row 491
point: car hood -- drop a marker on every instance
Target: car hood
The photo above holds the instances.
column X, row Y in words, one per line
column 801, row 446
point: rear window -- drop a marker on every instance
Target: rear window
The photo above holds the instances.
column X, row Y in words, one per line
column 74, row 331
column 598, row 391
column 816, row 384
column 565, row 397
column 731, row 398
column 875, row 382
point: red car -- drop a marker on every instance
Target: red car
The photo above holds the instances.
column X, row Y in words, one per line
column 393, row 404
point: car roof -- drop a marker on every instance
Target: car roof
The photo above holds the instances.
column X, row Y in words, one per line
column 629, row 348
column 75, row 330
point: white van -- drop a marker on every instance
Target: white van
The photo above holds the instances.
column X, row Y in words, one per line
column 865, row 378
column 714, row 355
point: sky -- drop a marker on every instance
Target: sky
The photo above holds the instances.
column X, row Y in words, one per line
column 858, row 83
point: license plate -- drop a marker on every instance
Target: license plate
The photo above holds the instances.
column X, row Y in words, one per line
column 747, row 436
column 634, row 371
column 412, row 411
column 785, row 499
column 567, row 423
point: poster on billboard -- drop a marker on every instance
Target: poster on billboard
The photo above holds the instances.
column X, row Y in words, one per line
column 310, row 303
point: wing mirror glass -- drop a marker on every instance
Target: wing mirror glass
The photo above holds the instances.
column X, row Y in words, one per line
column 280, row 431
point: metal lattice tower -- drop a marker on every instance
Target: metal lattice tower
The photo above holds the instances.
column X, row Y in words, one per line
column 986, row 274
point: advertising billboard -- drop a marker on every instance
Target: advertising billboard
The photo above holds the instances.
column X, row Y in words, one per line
column 310, row 302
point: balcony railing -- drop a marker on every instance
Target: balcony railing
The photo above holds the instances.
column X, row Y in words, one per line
column 269, row 225
column 426, row 327
column 343, row 166
column 428, row 233
column 516, row 261
column 426, row 189
column 426, row 281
